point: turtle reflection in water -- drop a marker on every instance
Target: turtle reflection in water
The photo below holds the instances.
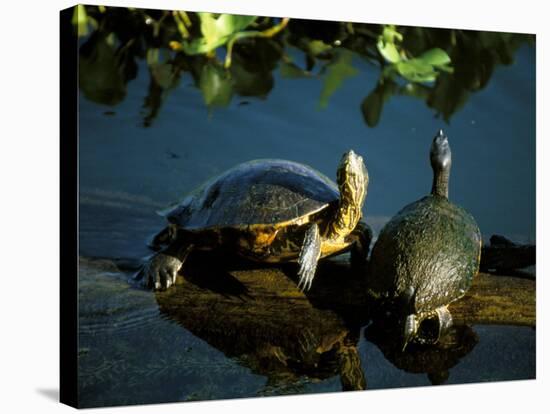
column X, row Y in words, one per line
column 259, row 318
column 269, row 211
column 435, row 360
column 426, row 256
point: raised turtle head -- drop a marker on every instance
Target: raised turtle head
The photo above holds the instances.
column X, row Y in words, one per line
column 440, row 158
column 353, row 180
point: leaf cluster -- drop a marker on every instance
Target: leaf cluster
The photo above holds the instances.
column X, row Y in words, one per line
column 231, row 56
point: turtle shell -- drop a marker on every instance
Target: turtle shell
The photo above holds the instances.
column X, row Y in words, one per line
column 432, row 246
column 260, row 192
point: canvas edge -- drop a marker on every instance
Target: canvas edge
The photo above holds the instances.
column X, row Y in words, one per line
column 68, row 147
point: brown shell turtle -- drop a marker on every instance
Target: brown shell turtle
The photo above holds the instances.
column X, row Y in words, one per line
column 269, row 211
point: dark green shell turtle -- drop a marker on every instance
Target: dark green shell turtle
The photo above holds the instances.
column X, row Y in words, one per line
column 268, row 211
column 428, row 254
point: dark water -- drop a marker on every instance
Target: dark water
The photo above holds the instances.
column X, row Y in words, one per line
column 135, row 347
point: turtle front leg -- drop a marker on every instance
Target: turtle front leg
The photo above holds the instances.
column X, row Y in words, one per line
column 410, row 328
column 161, row 270
column 309, row 255
column 361, row 238
column 432, row 334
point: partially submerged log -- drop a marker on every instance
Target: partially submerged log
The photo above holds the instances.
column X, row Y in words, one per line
column 497, row 300
column 503, row 256
column 491, row 299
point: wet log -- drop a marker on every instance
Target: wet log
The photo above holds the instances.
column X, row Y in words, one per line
column 491, row 299
column 497, row 300
column 503, row 256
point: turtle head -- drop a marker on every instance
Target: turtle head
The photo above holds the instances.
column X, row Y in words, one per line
column 440, row 158
column 440, row 152
column 353, row 178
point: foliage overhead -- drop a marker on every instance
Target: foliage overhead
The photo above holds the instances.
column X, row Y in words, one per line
column 230, row 55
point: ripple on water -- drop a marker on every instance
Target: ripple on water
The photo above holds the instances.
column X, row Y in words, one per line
column 108, row 304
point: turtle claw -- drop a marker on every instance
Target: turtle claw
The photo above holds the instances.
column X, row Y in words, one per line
column 306, row 275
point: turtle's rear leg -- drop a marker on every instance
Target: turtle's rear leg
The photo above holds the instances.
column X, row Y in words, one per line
column 361, row 238
column 161, row 270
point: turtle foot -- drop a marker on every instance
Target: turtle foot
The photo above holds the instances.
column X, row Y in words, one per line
column 160, row 272
column 362, row 237
column 433, row 326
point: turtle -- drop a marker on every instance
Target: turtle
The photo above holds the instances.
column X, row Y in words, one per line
column 426, row 257
column 269, row 211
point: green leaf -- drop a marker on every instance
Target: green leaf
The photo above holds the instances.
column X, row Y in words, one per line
column 435, row 57
column 388, row 51
column 448, row 96
column 216, row 32
column 415, row 90
column 425, row 67
column 80, row 20
column 337, row 72
column 416, row 70
column 250, row 81
column 216, row 86
column 371, row 107
column 291, row 71
column 101, row 73
column 317, row 47
column 390, row 34
column 231, row 23
column 387, row 44
column 152, row 56
column 164, row 75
